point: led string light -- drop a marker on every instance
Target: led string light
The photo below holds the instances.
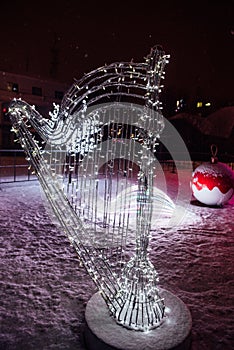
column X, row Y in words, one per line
column 91, row 199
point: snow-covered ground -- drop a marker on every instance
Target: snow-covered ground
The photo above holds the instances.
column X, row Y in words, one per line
column 44, row 290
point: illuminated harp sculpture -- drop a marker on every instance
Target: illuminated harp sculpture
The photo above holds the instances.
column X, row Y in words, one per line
column 95, row 161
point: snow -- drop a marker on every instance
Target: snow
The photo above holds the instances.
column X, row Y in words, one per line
column 173, row 331
column 44, row 290
column 213, row 197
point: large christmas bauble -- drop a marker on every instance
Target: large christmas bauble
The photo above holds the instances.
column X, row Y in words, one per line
column 213, row 183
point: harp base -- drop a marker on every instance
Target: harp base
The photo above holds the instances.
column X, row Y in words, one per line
column 103, row 333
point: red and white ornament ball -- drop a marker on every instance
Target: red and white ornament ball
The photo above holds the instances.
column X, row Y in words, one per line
column 213, row 183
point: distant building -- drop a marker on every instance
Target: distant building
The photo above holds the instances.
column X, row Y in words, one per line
column 200, row 133
column 35, row 91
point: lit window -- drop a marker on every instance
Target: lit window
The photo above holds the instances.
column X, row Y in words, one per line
column 5, row 106
column 14, row 87
column 199, row 104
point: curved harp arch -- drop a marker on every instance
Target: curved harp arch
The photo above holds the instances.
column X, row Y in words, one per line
column 97, row 171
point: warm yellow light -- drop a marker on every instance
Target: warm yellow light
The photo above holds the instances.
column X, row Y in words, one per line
column 208, row 104
column 199, row 104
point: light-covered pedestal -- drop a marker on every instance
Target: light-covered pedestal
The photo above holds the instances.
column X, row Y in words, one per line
column 103, row 333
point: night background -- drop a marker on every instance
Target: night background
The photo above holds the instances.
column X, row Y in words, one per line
column 64, row 40
column 43, row 288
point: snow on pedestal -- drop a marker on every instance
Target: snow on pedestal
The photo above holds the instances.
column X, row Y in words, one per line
column 104, row 333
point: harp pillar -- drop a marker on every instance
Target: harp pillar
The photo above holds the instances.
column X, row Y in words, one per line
column 103, row 333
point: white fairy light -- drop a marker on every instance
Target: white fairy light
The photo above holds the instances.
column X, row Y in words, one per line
column 77, row 171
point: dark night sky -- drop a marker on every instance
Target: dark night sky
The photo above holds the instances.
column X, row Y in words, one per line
column 85, row 35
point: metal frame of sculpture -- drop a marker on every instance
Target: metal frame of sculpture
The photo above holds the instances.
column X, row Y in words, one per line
column 94, row 158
